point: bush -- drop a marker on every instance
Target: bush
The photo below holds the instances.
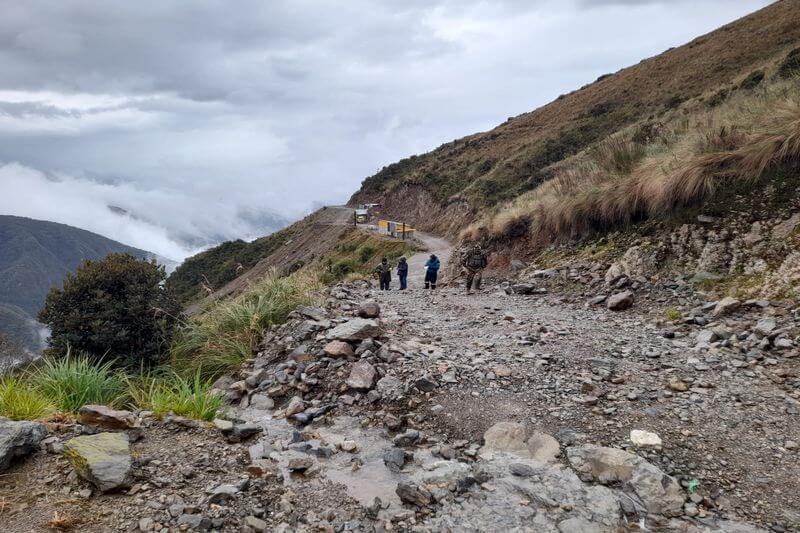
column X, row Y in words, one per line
column 672, row 314
column 791, row 65
column 115, row 306
column 752, row 81
column 20, row 401
column 226, row 334
column 77, row 380
column 172, row 393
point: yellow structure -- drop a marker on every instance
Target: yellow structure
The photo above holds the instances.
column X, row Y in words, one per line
column 399, row 230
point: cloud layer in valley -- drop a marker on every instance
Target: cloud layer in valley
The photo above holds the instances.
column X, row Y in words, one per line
column 203, row 120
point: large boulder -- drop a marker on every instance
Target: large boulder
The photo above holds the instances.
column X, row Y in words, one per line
column 354, row 330
column 362, row 376
column 103, row 459
column 726, row 306
column 369, row 310
column 105, row 417
column 18, row 439
column 510, row 437
column 660, row 493
column 620, row 301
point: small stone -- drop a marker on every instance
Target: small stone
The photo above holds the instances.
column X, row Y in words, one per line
column 678, row 386
column 339, row 349
column 726, row 306
column 223, row 493
column 362, row 376
column 644, row 438
column 413, row 494
column 300, row 464
column 105, row 417
column 349, row 446
column 255, row 523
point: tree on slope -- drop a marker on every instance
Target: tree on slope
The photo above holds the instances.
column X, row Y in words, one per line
column 113, row 308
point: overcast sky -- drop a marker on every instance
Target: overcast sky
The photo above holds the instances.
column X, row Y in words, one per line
column 203, row 119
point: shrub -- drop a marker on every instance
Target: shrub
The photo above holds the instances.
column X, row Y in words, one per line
column 172, row 393
column 73, row 381
column 20, row 401
column 791, row 65
column 753, row 80
column 227, row 333
column 672, row 314
column 115, row 306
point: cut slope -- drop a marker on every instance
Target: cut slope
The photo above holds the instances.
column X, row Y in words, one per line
column 472, row 174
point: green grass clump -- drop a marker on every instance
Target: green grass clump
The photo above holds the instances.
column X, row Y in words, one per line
column 672, row 314
column 226, row 334
column 75, row 380
column 20, row 401
column 172, row 393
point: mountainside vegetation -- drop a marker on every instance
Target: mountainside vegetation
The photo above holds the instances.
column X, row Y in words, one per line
column 114, row 309
column 612, row 124
column 36, row 255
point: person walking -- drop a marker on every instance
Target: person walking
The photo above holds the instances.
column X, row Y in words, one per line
column 384, row 274
column 475, row 261
column 402, row 273
column 431, row 271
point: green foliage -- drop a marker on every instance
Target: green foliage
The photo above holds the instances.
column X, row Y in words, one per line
column 116, row 306
column 20, row 401
column 791, row 65
column 672, row 314
column 170, row 392
column 226, row 334
column 72, row 381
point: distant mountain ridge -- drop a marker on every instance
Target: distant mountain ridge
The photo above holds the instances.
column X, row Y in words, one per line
column 35, row 255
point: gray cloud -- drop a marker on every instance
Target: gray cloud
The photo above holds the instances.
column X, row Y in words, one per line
column 208, row 116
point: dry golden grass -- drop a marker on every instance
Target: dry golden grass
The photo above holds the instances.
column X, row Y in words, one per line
column 616, row 182
column 63, row 522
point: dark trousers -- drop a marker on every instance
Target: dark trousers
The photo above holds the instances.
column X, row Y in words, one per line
column 430, row 278
column 385, row 280
column 403, row 281
column 476, row 276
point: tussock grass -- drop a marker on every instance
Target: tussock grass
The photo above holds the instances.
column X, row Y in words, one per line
column 618, row 182
column 170, row 392
column 76, row 380
column 227, row 333
column 20, row 401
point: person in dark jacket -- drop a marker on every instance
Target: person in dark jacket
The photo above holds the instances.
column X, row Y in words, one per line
column 384, row 274
column 402, row 273
column 431, row 272
column 475, row 261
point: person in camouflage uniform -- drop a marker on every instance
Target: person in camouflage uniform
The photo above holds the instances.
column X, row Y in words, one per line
column 384, row 274
column 474, row 261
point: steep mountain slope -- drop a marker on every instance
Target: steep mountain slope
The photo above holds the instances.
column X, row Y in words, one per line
column 227, row 268
column 455, row 184
column 36, row 255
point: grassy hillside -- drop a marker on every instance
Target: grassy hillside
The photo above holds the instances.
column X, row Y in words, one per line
column 229, row 268
column 472, row 176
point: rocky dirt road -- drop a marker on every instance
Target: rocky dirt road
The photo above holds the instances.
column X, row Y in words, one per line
column 729, row 427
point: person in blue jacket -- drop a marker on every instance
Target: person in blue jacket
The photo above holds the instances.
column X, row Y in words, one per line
column 431, row 272
column 402, row 273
